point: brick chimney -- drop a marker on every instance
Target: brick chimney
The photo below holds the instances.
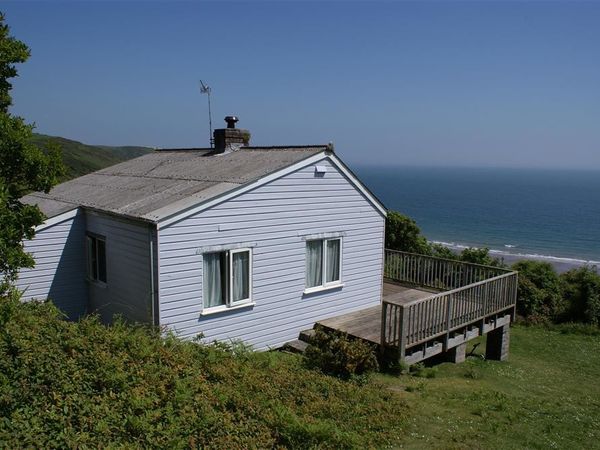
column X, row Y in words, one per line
column 231, row 138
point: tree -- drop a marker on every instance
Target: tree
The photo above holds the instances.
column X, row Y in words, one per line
column 23, row 168
column 402, row 233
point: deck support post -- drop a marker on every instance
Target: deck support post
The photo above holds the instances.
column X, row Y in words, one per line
column 457, row 354
column 448, row 315
column 403, row 333
column 382, row 341
column 498, row 342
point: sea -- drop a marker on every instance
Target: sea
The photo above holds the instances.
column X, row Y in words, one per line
column 549, row 215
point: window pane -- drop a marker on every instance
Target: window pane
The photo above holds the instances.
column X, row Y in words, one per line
column 240, row 266
column 333, row 261
column 91, row 253
column 314, row 261
column 101, row 257
column 214, row 277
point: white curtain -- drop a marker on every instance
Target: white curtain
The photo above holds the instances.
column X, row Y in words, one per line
column 332, row 272
column 314, row 260
column 241, row 276
column 213, row 293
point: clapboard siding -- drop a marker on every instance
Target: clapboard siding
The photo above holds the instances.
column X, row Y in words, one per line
column 272, row 219
column 128, row 291
column 59, row 272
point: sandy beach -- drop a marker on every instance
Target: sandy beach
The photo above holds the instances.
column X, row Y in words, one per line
column 560, row 264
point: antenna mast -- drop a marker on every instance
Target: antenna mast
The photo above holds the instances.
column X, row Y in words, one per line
column 205, row 89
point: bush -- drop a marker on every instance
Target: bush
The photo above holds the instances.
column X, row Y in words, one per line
column 334, row 353
column 480, row 256
column 86, row 385
column 539, row 292
column 441, row 251
column 581, row 290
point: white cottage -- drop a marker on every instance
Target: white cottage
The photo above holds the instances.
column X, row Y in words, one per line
column 235, row 242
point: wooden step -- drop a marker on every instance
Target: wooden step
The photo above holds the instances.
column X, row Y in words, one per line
column 307, row 335
column 296, row 346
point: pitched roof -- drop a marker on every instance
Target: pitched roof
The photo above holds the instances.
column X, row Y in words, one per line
column 154, row 185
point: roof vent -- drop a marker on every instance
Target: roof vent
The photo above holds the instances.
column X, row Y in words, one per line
column 231, row 138
column 231, row 121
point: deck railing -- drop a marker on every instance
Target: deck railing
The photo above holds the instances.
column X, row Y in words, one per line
column 471, row 292
column 435, row 273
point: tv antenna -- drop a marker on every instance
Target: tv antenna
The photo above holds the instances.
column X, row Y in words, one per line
column 205, row 89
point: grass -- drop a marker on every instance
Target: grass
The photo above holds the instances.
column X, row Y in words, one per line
column 546, row 396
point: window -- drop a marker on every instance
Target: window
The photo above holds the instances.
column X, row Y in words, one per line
column 227, row 278
column 96, row 258
column 323, row 263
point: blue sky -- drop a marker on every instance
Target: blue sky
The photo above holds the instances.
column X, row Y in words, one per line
column 432, row 83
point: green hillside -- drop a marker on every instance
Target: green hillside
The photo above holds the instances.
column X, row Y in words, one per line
column 81, row 159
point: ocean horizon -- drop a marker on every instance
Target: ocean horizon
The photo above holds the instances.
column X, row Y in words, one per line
column 545, row 214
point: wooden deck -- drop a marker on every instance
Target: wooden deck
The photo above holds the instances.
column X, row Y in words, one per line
column 366, row 323
column 432, row 305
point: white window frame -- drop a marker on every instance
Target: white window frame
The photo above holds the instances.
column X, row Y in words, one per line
column 324, row 284
column 229, row 303
column 89, row 274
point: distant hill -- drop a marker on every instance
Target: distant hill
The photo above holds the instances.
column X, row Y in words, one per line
column 81, row 159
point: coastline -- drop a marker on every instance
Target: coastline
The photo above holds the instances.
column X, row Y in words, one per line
column 560, row 264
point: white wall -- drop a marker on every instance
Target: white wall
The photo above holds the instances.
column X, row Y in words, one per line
column 128, row 290
column 273, row 218
column 59, row 273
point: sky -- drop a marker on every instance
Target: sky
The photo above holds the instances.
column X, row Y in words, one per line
column 490, row 84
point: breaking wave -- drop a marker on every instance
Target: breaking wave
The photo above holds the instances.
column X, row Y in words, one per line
column 537, row 256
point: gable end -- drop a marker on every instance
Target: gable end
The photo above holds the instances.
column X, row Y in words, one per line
column 181, row 215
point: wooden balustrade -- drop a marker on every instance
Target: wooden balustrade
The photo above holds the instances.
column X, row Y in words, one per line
column 433, row 272
column 471, row 292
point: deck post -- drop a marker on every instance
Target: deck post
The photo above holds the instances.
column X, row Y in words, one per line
column 403, row 330
column 448, row 315
column 457, row 354
column 383, row 318
column 498, row 342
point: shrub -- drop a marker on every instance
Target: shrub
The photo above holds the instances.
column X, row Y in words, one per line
column 539, row 291
column 581, row 290
column 441, row 251
column 480, row 256
column 335, row 353
column 86, row 385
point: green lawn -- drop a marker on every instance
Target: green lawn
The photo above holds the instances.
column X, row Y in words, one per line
column 546, row 396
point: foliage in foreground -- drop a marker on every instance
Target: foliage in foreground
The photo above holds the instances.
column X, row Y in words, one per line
column 336, row 354
column 65, row 384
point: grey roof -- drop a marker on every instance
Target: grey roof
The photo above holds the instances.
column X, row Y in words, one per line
column 165, row 182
